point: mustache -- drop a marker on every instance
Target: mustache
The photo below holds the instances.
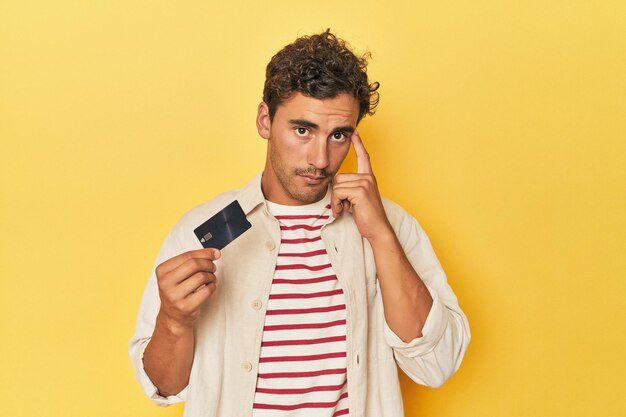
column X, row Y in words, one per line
column 313, row 171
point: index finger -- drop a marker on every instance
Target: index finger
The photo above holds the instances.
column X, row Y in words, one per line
column 176, row 261
column 362, row 157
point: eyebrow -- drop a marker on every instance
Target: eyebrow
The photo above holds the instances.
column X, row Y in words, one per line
column 347, row 130
column 304, row 123
column 315, row 126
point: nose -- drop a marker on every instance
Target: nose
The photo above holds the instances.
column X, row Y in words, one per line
column 318, row 154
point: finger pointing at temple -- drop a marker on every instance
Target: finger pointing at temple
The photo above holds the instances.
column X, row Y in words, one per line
column 362, row 157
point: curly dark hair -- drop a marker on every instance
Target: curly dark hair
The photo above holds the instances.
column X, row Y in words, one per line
column 319, row 66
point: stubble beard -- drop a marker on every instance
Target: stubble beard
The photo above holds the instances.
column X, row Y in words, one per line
column 287, row 178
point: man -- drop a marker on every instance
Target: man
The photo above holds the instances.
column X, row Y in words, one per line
column 309, row 311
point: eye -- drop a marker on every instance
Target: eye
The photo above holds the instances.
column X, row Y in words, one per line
column 338, row 137
column 302, row 131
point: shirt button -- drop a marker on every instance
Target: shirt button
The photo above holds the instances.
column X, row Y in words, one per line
column 269, row 245
column 257, row 304
column 246, row 366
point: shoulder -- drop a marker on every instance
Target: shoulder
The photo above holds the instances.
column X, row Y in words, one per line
column 249, row 196
column 404, row 224
column 200, row 213
column 183, row 229
column 395, row 212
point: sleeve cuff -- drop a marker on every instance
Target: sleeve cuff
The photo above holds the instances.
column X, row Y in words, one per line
column 432, row 332
column 146, row 384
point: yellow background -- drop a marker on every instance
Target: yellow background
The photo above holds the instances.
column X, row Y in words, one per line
column 501, row 127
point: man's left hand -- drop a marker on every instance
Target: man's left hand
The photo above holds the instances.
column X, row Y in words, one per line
column 358, row 194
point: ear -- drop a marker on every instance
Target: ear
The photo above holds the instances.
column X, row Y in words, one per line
column 263, row 123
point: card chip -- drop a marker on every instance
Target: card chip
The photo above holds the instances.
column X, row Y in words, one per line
column 206, row 237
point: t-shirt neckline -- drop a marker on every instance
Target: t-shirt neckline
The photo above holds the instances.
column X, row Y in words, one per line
column 313, row 208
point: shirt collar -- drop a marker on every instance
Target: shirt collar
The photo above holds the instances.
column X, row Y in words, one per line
column 251, row 195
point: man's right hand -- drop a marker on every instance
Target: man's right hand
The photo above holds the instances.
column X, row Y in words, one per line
column 185, row 282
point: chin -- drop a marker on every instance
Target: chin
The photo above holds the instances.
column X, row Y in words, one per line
column 309, row 196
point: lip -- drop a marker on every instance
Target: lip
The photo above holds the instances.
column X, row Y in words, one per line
column 312, row 180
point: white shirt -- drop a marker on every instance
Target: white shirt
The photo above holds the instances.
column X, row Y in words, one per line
column 229, row 330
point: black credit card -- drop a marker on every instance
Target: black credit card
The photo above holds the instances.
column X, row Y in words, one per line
column 224, row 227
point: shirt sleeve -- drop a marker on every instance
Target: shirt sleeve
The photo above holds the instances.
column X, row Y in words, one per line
column 435, row 356
column 148, row 310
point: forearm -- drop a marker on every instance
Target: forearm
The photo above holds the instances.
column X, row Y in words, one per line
column 168, row 357
column 406, row 300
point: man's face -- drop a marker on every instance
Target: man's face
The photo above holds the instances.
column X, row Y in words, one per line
column 307, row 142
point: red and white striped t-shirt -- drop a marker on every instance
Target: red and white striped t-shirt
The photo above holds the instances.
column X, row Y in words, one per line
column 302, row 365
